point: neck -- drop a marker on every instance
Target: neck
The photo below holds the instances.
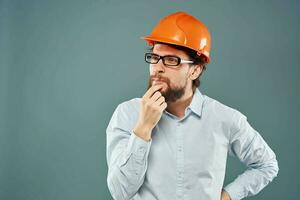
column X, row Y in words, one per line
column 178, row 107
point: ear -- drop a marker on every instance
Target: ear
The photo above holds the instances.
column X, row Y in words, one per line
column 195, row 71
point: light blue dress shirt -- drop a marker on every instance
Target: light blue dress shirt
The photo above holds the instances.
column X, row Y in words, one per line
column 186, row 158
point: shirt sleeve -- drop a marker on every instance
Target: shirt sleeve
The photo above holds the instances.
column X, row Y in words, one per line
column 126, row 157
column 251, row 149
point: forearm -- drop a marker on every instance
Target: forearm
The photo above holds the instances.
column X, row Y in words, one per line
column 252, row 180
column 124, row 184
column 126, row 174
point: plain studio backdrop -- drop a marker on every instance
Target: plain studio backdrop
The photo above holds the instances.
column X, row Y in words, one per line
column 66, row 65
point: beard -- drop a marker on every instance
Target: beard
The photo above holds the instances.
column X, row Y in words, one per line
column 171, row 94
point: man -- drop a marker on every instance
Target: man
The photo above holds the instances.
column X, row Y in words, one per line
column 173, row 142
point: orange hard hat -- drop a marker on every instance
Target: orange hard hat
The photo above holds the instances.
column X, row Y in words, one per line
column 184, row 30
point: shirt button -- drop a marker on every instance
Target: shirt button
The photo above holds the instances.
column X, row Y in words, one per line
column 141, row 151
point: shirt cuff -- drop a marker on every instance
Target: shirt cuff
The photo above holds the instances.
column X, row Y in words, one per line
column 138, row 147
column 230, row 189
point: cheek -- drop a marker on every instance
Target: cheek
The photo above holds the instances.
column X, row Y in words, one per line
column 151, row 69
column 180, row 78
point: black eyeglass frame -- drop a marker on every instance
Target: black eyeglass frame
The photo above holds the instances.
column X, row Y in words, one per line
column 179, row 60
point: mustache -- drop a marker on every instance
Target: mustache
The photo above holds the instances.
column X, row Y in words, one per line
column 160, row 78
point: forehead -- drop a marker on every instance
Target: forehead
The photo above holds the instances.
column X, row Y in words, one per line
column 164, row 49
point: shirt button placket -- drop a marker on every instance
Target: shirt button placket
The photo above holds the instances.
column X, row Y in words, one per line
column 179, row 162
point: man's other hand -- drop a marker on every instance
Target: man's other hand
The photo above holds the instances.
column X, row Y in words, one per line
column 225, row 195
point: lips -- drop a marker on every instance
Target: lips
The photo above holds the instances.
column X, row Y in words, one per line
column 157, row 81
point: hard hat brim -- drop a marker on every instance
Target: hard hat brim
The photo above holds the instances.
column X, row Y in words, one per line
column 151, row 41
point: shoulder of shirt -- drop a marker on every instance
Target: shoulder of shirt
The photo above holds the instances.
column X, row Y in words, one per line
column 130, row 105
column 219, row 107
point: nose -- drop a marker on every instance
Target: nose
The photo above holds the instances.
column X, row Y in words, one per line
column 158, row 67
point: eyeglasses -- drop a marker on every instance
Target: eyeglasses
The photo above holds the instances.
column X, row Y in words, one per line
column 168, row 60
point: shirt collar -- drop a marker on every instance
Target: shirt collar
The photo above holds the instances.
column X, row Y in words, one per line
column 195, row 105
column 197, row 102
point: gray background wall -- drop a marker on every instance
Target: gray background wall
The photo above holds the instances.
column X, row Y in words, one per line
column 66, row 65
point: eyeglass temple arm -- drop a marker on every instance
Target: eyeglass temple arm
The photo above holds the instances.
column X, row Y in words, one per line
column 186, row 61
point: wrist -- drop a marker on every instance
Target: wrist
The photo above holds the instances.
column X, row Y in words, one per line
column 143, row 132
